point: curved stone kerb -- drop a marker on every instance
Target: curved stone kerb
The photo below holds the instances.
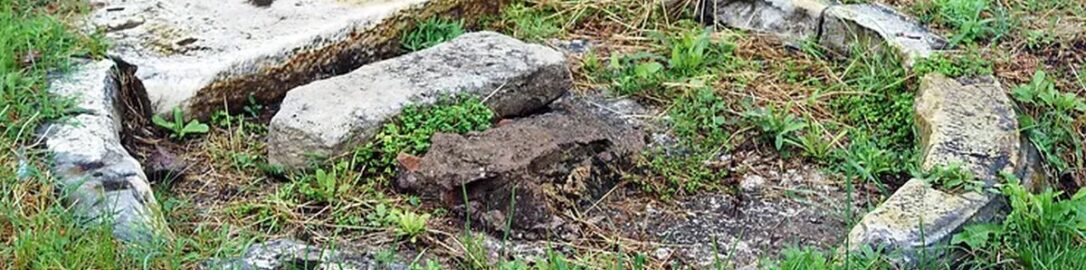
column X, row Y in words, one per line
column 99, row 179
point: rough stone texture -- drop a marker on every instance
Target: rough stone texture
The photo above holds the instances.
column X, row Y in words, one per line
column 791, row 20
column 288, row 254
column 202, row 54
column 328, row 117
column 845, row 25
column 836, row 27
column 99, row 178
column 969, row 122
column 559, row 160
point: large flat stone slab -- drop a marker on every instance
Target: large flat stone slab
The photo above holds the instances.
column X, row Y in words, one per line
column 202, row 54
column 101, row 181
column 969, row 122
column 329, row 117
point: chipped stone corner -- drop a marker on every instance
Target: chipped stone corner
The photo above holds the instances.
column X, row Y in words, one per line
column 99, row 178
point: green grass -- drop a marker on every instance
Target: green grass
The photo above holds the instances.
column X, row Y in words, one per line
column 530, row 22
column 1042, row 231
column 410, row 132
column 1050, row 122
column 36, row 230
column 431, row 32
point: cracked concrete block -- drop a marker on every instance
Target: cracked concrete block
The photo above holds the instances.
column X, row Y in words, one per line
column 204, row 54
column 969, row 122
column 98, row 177
column 330, row 117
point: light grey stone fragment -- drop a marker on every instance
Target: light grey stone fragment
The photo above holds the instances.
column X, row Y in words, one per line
column 101, row 181
column 791, row 20
column 969, row 122
column 873, row 24
column 329, row 117
column 289, row 254
column 834, row 26
column 202, row 54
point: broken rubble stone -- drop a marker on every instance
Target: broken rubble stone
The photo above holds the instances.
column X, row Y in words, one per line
column 872, row 24
column 791, row 20
column 529, row 169
column 329, row 117
column 289, row 254
column 968, row 122
column 837, row 27
column 204, row 54
column 99, row 178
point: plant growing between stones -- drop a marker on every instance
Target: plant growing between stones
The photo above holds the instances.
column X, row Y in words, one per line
column 431, row 32
column 969, row 65
column 1051, row 125
column 324, row 186
column 1042, row 231
column 178, row 128
column 410, row 132
column 408, row 224
column 953, row 177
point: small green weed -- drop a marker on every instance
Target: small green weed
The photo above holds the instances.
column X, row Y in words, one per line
column 431, row 32
column 971, row 64
column 408, row 224
column 814, row 144
column 699, row 118
column 1051, row 120
column 1041, row 232
column 178, row 128
column 953, row 178
column 530, row 23
column 966, row 17
column 777, row 127
column 691, row 53
column 323, row 186
column 410, row 132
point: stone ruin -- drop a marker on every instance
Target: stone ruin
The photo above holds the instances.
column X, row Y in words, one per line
column 324, row 60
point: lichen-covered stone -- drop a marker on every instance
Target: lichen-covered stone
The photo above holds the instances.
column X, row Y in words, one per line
column 837, row 27
column 101, row 181
column 204, row 54
column 791, row 20
column 329, row 117
column 874, row 24
column 969, row 122
column 289, row 254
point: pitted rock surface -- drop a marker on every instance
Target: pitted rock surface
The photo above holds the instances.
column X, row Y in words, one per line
column 329, row 117
column 200, row 54
column 535, row 166
column 837, row 27
column 791, row 20
column 968, row 122
column 102, row 182
column 289, row 254
column 845, row 25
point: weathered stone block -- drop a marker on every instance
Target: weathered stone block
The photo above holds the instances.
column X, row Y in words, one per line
column 791, row 20
column 98, row 177
column 202, row 54
column 835, row 26
column 873, row 25
column 329, row 117
column 968, row 122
